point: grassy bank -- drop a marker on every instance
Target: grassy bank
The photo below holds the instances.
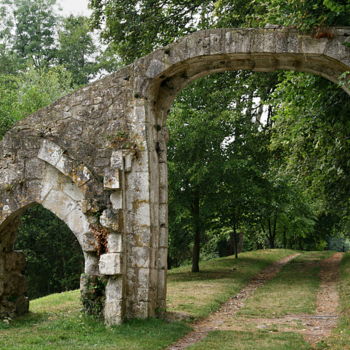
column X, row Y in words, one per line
column 55, row 321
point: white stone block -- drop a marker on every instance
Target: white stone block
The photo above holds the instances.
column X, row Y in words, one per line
column 163, row 237
column 50, row 152
column 64, row 165
column 114, row 243
column 114, row 289
column 77, row 222
column 128, row 162
column 73, row 191
column 140, row 257
column 113, row 312
column 50, row 181
column 91, row 264
column 155, row 68
column 111, row 179
column 59, row 203
column 142, row 214
column 117, row 200
column 110, row 264
column 162, row 258
column 117, row 160
column 87, row 241
column 110, row 220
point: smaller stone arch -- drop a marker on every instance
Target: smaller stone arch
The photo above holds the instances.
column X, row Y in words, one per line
column 59, row 187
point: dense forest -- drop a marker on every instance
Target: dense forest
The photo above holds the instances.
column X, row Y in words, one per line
column 255, row 159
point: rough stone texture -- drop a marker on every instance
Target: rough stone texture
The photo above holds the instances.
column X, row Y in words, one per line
column 97, row 159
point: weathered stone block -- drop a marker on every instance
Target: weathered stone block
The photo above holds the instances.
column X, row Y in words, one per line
column 110, row 219
column 142, row 213
column 114, row 289
column 162, row 258
column 65, row 165
column 128, row 162
column 114, row 243
column 140, row 257
column 113, row 312
column 88, row 242
column 81, row 175
column 111, row 179
column 50, row 152
column 59, row 203
column 110, row 264
column 117, row 160
column 77, row 222
column 117, row 200
column 163, row 237
column 73, row 191
column 155, row 67
column 91, row 263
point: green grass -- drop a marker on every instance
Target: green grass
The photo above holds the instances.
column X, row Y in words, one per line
column 340, row 338
column 231, row 340
column 198, row 294
column 55, row 321
column 292, row 291
column 65, row 328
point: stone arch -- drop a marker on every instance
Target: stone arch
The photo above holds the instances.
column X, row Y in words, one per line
column 167, row 71
column 108, row 140
column 14, row 287
column 57, row 193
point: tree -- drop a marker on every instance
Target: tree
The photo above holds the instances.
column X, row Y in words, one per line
column 136, row 27
column 76, row 50
column 26, row 92
column 34, row 23
column 54, row 256
column 310, row 135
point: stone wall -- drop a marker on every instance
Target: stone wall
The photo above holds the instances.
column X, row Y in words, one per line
column 97, row 159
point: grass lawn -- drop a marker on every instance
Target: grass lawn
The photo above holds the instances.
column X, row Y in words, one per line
column 198, row 294
column 261, row 340
column 292, row 291
column 55, row 321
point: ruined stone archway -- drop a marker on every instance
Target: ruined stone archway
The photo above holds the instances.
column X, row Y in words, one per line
column 106, row 145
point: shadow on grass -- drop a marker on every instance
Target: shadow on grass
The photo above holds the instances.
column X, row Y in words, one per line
column 228, row 268
column 28, row 320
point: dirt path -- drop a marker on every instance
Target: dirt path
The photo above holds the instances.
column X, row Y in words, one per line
column 313, row 327
column 320, row 325
column 217, row 319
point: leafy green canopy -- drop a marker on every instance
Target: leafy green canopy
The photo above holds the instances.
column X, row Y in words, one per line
column 54, row 256
column 136, row 27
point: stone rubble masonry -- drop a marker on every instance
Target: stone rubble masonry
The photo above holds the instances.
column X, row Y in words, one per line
column 97, row 159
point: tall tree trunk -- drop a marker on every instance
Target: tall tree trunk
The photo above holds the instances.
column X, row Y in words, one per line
column 235, row 240
column 197, row 233
column 284, row 237
column 271, row 236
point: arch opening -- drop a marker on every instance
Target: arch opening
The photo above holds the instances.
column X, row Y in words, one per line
column 165, row 97
column 40, row 256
